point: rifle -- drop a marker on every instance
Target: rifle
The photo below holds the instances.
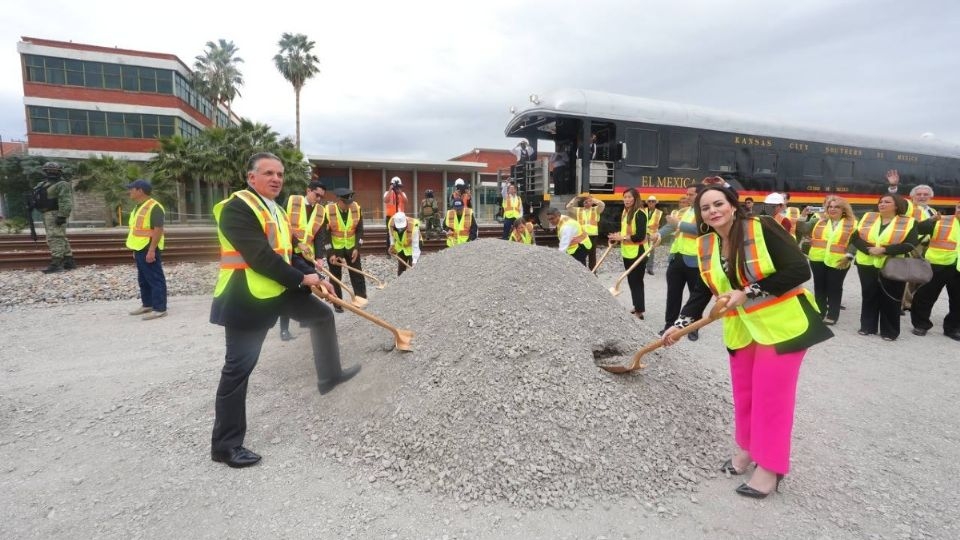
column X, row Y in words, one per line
column 30, row 208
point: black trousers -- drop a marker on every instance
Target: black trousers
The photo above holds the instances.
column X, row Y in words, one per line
column 678, row 276
column 592, row 252
column 880, row 307
column 828, row 288
column 243, row 352
column 400, row 266
column 357, row 281
column 635, row 280
column 928, row 293
column 581, row 254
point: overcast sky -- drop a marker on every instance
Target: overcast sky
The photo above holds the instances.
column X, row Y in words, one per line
column 434, row 79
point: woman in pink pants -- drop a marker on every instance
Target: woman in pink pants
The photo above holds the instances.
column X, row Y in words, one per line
column 770, row 322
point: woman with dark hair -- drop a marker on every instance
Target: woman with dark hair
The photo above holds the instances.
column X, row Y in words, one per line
column 771, row 320
column 888, row 232
column 633, row 231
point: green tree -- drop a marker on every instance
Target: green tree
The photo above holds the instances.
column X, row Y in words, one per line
column 217, row 74
column 19, row 175
column 297, row 64
column 109, row 177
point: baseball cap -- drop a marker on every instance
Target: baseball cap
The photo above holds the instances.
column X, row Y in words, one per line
column 140, row 184
column 457, row 203
column 400, row 220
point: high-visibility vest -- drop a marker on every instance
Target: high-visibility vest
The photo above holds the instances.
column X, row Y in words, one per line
column 523, row 235
column 792, row 213
column 628, row 248
column 512, row 207
column 139, row 235
column 919, row 213
column 405, row 246
column 589, row 219
column 581, row 237
column 278, row 236
column 460, row 226
column 297, row 215
column 944, row 240
column 829, row 241
column 653, row 224
column 685, row 243
column 766, row 319
column 869, row 230
column 316, row 222
column 343, row 234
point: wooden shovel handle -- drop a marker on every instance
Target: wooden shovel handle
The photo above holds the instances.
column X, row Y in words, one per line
column 610, row 245
column 633, row 266
column 397, row 257
column 361, row 272
column 323, row 294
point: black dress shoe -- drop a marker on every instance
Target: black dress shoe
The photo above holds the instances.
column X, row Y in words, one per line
column 237, row 458
column 918, row 332
column 748, row 491
column 286, row 335
column 954, row 335
column 693, row 336
column 325, row 386
column 338, row 309
column 728, row 468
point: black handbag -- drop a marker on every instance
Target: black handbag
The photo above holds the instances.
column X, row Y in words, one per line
column 910, row 269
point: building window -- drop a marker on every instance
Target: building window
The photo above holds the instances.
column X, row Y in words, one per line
column 107, row 124
column 765, row 163
column 722, row 160
column 643, row 147
column 684, row 150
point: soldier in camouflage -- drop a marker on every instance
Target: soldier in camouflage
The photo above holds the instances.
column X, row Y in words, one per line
column 54, row 199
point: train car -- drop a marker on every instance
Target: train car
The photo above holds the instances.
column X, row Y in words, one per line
column 608, row 143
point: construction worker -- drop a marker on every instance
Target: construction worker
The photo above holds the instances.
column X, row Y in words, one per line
column 394, row 199
column 512, row 209
column 654, row 215
column 307, row 218
column 778, row 209
column 146, row 240
column 459, row 225
column 461, row 192
column 587, row 210
column 404, row 240
column 345, row 224
column 573, row 239
column 430, row 215
column 53, row 197
column 522, row 230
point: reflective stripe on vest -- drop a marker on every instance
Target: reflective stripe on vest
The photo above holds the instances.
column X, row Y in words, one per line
column 316, row 222
column 297, row 214
column 685, row 243
column 653, row 224
column 343, row 235
column 139, row 235
column 766, row 319
column 828, row 242
column 512, row 206
column 628, row 248
column 278, row 237
column 521, row 235
column 943, row 241
column 580, row 237
column 460, row 227
column 589, row 218
column 869, row 231
column 406, row 245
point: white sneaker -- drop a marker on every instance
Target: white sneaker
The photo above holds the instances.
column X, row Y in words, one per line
column 141, row 310
column 154, row 315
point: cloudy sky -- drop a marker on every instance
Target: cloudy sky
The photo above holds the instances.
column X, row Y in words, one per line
column 434, row 79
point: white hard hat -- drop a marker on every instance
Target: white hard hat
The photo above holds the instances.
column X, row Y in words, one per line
column 400, row 220
column 774, row 198
column 396, row 181
column 459, row 182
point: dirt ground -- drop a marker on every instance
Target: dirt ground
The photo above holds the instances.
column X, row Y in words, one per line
column 105, row 425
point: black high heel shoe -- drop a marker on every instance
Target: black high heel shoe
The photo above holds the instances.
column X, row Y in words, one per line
column 728, row 468
column 748, row 491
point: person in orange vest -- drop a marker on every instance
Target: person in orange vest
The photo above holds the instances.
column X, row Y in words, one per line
column 461, row 192
column 394, row 199
column 146, row 240
column 257, row 282
column 942, row 254
column 771, row 321
column 885, row 233
column 587, row 211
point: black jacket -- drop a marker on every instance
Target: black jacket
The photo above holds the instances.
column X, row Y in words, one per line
column 236, row 307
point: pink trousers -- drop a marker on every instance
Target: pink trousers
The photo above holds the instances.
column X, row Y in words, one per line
column 764, row 394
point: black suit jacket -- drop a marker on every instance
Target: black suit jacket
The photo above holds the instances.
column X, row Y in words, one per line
column 236, row 307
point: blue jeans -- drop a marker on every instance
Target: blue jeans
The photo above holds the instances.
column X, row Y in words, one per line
column 153, row 284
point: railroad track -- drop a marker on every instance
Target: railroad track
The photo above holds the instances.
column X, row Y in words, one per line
column 18, row 252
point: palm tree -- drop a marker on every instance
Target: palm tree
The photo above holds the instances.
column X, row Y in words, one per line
column 217, row 75
column 297, row 64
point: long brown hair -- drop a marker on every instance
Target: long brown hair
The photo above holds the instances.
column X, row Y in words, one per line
column 632, row 212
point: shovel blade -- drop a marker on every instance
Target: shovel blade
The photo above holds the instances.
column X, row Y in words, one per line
column 614, row 291
column 403, row 339
column 360, row 302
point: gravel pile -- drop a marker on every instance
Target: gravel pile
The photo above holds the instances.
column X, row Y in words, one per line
column 502, row 399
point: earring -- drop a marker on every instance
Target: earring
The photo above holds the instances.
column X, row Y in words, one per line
column 704, row 228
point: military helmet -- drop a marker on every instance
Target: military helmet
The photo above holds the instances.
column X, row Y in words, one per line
column 52, row 168
column 429, row 193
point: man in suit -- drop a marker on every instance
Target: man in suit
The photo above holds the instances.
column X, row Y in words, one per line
column 258, row 282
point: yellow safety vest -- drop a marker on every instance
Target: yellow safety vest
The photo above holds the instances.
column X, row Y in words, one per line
column 460, row 227
column 278, row 236
column 522, row 235
column 828, row 242
column 316, row 222
column 869, row 230
column 580, row 238
column 297, row 214
column 628, row 248
column 792, row 213
column 512, row 207
column 653, row 225
column 944, row 240
column 589, row 219
column 139, row 235
column 343, row 235
column 405, row 246
column 766, row 319
column 685, row 243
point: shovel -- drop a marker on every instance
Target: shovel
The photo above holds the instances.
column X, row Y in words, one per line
column 378, row 284
column 719, row 308
column 615, row 290
column 394, row 255
column 358, row 301
column 610, row 245
column 401, row 338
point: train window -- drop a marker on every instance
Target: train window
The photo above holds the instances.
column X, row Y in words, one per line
column 813, row 166
column 722, row 160
column 765, row 163
column 684, row 150
column 643, row 147
column 844, row 169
